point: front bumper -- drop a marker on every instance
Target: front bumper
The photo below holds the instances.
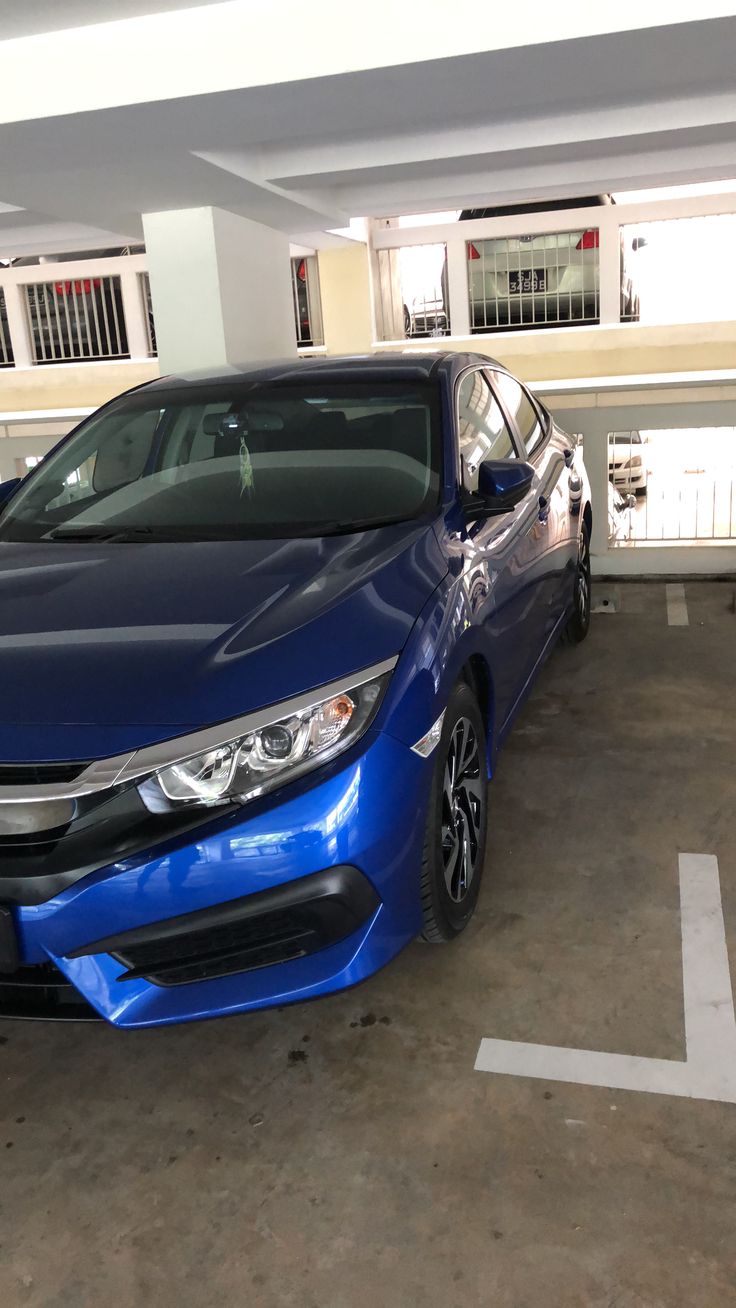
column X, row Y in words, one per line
column 303, row 893
column 629, row 478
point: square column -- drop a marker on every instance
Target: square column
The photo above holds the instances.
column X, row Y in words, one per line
column 345, row 291
column 220, row 288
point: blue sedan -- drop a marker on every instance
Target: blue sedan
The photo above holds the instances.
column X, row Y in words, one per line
column 262, row 635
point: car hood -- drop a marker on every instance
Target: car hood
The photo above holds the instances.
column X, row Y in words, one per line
column 106, row 647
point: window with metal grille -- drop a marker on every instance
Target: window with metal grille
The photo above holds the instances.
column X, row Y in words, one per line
column 77, row 319
column 307, row 301
column 672, row 487
column 679, row 270
column 6, row 348
column 534, row 281
column 411, row 292
column 145, row 285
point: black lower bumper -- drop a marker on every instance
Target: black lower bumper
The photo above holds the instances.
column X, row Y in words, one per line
column 271, row 926
column 42, row 991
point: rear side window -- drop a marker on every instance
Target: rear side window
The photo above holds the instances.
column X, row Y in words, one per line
column 521, row 409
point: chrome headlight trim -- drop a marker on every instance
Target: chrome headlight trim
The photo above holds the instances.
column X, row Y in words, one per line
column 109, row 772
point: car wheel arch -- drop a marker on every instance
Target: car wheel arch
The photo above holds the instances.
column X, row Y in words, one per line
column 476, row 674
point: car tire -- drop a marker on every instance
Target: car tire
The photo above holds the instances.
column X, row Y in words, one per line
column 578, row 624
column 457, row 821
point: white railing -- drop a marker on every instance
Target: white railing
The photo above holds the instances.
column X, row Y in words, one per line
column 97, row 310
column 74, row 319
column 524, row 271
column 6, row 348
column 81, row 310
column 144, row 284
column 683, row 519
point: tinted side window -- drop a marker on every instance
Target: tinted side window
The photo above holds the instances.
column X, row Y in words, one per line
column 482, row 430
column 521, row 409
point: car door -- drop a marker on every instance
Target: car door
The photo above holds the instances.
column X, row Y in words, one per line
column 502, row 576
column 544, row 447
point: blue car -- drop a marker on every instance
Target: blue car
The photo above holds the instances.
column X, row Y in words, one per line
column 262, row 634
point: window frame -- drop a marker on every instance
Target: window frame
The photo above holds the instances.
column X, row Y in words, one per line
column 513, row 432
column 545, row 419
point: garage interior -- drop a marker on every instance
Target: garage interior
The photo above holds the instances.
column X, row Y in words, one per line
column 544, row 1112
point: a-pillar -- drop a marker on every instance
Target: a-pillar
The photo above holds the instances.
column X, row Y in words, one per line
column 220, row 289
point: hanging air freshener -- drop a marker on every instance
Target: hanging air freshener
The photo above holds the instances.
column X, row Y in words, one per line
column 246, row 470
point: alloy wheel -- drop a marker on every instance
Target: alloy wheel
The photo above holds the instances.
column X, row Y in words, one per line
column 582, row 589
column 462, row 810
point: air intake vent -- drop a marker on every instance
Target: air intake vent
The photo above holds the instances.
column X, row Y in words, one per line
column 271, row 926
column 39, row 774
column 220, row 951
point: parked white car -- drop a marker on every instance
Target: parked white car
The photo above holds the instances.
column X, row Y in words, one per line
column 541, row 280
column 627, row 467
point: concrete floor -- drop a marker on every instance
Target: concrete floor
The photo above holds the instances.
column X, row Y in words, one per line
column 346, row 1153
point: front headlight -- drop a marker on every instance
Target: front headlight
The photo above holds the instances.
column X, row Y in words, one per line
column 283, row 748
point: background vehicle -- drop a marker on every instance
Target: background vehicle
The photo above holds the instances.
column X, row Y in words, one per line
column 619, row 514
column 540, row 280
column 273, row 601
column 627, row 467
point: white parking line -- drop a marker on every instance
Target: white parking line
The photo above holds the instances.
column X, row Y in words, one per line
column 709, row 1071
column 676, row 604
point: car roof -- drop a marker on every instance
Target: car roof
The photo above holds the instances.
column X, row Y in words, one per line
column 408, row 367
column 536, row 206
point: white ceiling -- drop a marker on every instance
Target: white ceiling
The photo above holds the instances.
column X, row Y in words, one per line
column 613, row 111
column 30, row 17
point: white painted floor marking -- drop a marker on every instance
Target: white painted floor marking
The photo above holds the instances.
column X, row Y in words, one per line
column 676, row 604
column 709, row 1071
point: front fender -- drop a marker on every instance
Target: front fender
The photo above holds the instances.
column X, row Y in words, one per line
column 443, row 640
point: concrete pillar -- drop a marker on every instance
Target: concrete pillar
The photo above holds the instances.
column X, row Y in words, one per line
column 345, row 289
column 220, row 288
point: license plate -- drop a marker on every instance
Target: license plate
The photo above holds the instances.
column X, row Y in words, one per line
column 527, row 281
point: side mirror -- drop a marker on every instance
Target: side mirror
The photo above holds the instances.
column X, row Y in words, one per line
column 502, row 483
column 639, row 242
column 6, row 490
column 631, row 501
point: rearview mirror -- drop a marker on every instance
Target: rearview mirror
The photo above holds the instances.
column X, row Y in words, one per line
column 502, row 483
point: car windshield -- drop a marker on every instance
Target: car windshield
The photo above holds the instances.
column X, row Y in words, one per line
column 627, row 438
column 237, row 462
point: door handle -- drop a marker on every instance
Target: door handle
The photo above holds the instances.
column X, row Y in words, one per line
column 543, row 508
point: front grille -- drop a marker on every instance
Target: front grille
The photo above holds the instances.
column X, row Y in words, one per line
column 219, row 951
column 39, row 774
column 42, row 991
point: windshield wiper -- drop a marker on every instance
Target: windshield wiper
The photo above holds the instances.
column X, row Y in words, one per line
column 98, row 533
column 338, row 528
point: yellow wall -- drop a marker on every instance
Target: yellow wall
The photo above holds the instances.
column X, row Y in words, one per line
column 345, row 291
column 70, row 385
column 604, row 351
